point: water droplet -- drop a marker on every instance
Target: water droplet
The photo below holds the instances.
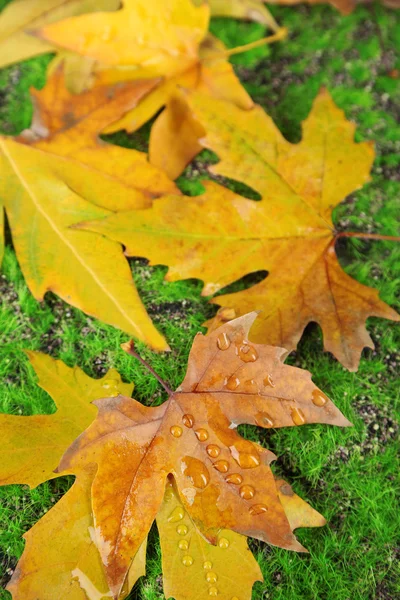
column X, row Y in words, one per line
column 197, row 471
column 319, row 398
column 298, row 417
column 213, row 450
column 177, row 514
column 207, row 565
column 176, row 431
column 183, row 545
column 247, row 492
column 232, row 383
column 213, row 591
column 268, row 381
column 245, row 454
column 188, row 420
column 113, row 394
column 211, row 577
column 263, row 419
column 234, row 478
column 223, row 341
column 109, row 383
column 234, row 598
column 222, row 466
column 258, row 509
column 181, row 530
column 187, row 560
column 223, row 543
column 201, row 434
column 247, row 353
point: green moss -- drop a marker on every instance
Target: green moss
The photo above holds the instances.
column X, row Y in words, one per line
column 348, row 475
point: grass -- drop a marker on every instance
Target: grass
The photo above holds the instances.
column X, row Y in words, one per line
column 351, row 475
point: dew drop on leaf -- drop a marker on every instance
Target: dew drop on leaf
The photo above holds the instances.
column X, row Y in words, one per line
column 319, row 398
column 247, row 353
column 188, row 420
column 258, row 509
column 176, row 431
column 298, row 417
column 213, row 450
column 201, row 434
column 222, row 466
column 263, row 419
column 268, row 381
column 197, row 471
column 181, row 530
column 177, row 515
column 234, row 478
column 223, row 341
column 232, row 383
column 247, row 492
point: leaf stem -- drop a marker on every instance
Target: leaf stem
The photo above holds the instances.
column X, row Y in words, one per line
column 371, row 236
column 129, row 348
column 281, row 34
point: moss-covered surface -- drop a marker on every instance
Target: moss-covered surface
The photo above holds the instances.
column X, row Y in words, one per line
column 348, row 475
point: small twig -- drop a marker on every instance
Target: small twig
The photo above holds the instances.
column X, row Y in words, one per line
column 129, row 348
column 371, row 236
column 281, row 34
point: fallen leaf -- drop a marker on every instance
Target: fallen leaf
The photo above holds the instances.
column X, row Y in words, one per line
column 171, row 41
column 73, row 393
column 223, row 480
column 60, row 559
column 31, row 450
column 66, row 126
column 193, row 567
column 174, row 137
column 50, row 184
column 170, row 34
column 219, row 237
column 19, row 17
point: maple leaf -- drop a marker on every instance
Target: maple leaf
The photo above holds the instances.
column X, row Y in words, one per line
column 223, row 480
column 31, row 450
column 73, row 393
column 49, row 184
column 170, row 41
column 219, row 236
column 21, row 16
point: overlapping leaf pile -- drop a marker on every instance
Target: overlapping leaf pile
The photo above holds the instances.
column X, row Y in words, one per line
column 182, row 463
column 61, row 162
column 76, row 204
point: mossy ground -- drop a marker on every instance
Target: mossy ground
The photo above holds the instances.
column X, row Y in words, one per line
column 351, row 475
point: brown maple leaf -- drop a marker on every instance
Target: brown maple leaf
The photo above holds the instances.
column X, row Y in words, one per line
column 223, row 480
column 61, row 172
column 219, row 237
column 60, row 559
